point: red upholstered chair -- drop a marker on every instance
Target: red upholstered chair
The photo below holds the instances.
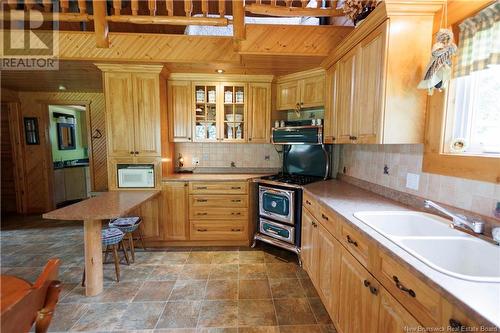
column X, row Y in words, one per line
column 23, row 303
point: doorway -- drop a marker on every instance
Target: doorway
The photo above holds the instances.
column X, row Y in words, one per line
column 68, row 133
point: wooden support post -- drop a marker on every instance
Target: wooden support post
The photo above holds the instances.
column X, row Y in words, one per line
column 100, row 23
column 288, row 3
column 152, row 7
column 238, row 20
column 304, row 3
column 29, row 4
column 188, row 7
column 204, row 7
column 64, row 6
column 82, row 6
column 170, row 7
column 12, row 4
column 134, row 4
column 93, row 256
column 222, row 8
column 117, row 6
column 47, row 5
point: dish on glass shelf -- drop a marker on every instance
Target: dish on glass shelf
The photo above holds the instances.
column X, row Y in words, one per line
column 234, row 120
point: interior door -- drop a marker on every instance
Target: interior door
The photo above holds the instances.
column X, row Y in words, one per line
column 358, row 306
column 259, row 112
column 179, row 110
column 147, row 114
column 120, row 114
column 346, row 99
column 370, row 87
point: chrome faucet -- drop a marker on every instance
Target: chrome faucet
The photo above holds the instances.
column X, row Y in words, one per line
column 475, row 226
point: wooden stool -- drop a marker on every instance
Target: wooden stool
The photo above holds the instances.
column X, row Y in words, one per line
column 112, row 239
column 128, row 225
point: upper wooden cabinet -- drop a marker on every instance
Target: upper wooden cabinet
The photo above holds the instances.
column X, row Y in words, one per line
column 330, row 121
column 133, row 106
column 219, row 108
column 376, row 95
column 179, row 110
column 259, row 112
column 301, row 90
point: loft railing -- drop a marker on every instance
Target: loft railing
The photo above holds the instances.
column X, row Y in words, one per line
column 101, row 15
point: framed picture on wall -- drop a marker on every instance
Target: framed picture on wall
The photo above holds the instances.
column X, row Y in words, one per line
column 31, row 131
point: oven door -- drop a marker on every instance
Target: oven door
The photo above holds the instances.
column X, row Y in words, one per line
column 279, row 231
column 277, row 204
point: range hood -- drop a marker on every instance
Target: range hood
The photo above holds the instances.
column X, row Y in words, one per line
column 296, row 135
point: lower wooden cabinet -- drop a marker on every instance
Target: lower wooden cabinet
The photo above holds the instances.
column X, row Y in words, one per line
column 150, row 215
column 392, row 316
column 359, row 297
column 175, row 211
column 306, row 249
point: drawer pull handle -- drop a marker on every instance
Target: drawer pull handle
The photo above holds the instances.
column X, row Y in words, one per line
column 324, row 217
column 235, row 213
column 235, row 187
column 201, row 200
column 201, row 187
column 236, row 200
column 455, row 324
column 368, row 285
column 351, row 241
column 201, row 230
column 314, row 224
column 201, row 213
column 308, row 202
column 236, row 230
column 402, row 287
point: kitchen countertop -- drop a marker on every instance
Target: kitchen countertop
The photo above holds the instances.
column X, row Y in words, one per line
column 105, row 206
column 480, row 298
column 213, row 176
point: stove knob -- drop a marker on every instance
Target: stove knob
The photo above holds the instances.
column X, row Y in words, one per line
column 274, row 204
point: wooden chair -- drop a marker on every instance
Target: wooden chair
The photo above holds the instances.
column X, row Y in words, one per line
column 23, row 303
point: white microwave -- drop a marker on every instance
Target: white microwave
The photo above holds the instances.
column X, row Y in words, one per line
column 136, row 175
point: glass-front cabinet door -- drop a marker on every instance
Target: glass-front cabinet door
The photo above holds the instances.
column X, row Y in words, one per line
column 234, row 116
column 205, row 113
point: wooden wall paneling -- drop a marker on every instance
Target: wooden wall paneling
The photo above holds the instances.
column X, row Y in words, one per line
column 9, row 198
column 16, row 134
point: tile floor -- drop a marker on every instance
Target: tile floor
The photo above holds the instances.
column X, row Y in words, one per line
column 171, row 290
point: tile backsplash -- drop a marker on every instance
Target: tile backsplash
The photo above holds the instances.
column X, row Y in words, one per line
column 367, row 162
column 221, row 155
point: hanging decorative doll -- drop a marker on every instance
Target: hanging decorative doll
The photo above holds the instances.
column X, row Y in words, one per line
column 438, row 71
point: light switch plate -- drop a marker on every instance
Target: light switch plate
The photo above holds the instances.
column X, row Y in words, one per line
column 412, row 180
column 195, row 160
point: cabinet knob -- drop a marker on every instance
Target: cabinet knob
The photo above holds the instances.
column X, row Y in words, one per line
column 249, row 139
column 352, row 137
column 456, row 324
column 333, row 138
column 324, row 217
column 235, row 213
column 136, row 152
column 189, row 139
column 131, row 153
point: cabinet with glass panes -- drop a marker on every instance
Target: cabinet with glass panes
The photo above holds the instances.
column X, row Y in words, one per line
column 220, row 112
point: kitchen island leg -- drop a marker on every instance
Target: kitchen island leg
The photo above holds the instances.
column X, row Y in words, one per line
column 93, row 257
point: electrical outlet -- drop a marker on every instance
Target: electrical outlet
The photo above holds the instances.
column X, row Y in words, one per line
column 267, row 158
column 412, row 180
column 204, row 157
column 195, row 160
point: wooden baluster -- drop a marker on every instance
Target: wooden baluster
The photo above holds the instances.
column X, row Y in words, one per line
column 304, row 3
column 47, row 5
column 170, row 7
column 64, row 6
column 318, row 3
column 259, row 2
column 188, row 7
column 222, row 8
column 273, row 2
column 101, row 28
column 82, row 6
column 204, row 7
column 12, row 4
column 288, row 3
column 333, row 4
column 152, row 7
column 117, row 6
column 29, row 4
column 135, row 7
column 238, row 20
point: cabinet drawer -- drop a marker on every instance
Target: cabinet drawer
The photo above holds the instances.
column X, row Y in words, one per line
column 218, row 188
column 204, row 213
column 310, row 203
column 356, row 243
column 420, row 299
column 220, row 230
column 218, row 201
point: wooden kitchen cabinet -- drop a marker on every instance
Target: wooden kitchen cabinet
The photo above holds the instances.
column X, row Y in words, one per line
column 377, row 97
column 393, row 317
column 330, row 121
column 301, row 90
column 359, row 297
column 308, row 244
column 259, row 112
column 174, row 211
column 133, row 107
column 179, row 110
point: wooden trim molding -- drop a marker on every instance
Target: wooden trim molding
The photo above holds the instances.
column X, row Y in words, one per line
column 301, row 75
column 220, row 77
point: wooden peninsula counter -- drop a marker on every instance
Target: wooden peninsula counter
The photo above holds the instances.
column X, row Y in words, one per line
column 92, row 212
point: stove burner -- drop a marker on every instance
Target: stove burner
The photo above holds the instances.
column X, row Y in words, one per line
column 293, row 179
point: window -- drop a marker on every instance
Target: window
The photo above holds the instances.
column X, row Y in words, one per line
column 475, row 111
